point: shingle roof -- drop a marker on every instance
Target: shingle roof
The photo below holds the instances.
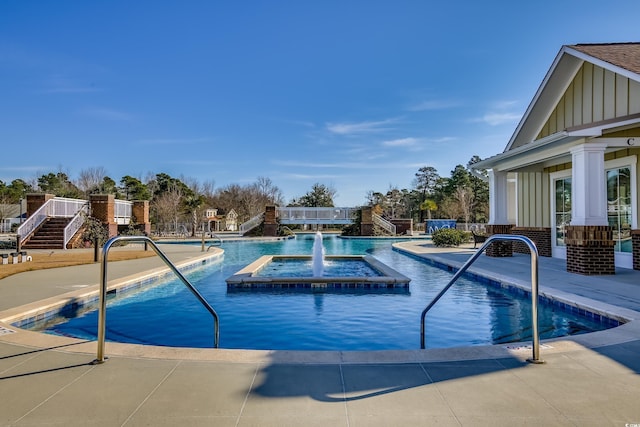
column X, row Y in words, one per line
column 623, row 55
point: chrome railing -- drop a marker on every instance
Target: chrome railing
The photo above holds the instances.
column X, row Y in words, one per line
column 534, row 288
column 75, row 224
column 102, row 314
column 384, row 224
column 252, row 223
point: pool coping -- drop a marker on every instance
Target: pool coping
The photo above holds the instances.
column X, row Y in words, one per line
column 246, row 277
column 626, row 332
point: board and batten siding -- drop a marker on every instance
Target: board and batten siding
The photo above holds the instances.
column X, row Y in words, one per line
column 533, row 199
column 594, row 94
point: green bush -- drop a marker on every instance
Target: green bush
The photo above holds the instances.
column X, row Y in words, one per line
column 449, row 237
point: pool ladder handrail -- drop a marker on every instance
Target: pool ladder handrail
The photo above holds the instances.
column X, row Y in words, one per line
column 534, row 288
column 102, row 319
column 215, row 238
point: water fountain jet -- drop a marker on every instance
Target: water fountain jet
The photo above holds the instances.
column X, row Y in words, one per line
column 317, row 260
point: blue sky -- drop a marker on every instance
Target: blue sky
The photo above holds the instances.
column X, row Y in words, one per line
column 353, row 94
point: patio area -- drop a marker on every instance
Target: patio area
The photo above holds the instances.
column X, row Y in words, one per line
column 589, row 379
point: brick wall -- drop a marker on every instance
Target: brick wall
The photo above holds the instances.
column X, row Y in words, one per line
column 366, row 225
column 635, row 240
column 402, row 225
column 590, row 249
column 270, row 222
column 140, row 212
column 499, row 249
column 35, row 201
column 541, row 236
column 103, row 209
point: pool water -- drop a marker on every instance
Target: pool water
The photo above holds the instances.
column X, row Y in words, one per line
column 304, row 268
column 469, row 313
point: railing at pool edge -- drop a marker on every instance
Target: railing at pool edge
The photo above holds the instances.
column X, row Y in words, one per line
column 534, row 289
column 102, row 315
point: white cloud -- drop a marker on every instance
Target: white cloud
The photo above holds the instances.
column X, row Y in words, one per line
column 58, row 84
column 402, row 142
column 433, row 104
column 364, row 165
column 495, row 119
column 361, row 127
column 174, row 141
column 107, row 114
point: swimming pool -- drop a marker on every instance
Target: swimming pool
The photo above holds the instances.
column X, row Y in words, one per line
column 279, row 319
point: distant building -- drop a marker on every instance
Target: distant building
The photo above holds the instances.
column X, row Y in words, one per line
column 216, row 222
column 231, row 221
column 568, row 176
column 11, row 214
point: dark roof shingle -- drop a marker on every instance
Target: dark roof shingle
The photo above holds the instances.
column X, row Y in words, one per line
column 623, row 55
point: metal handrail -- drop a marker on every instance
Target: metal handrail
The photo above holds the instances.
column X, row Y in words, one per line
column 252, row 223
column 102, row 319
column 534, row 288
column 75, row 224
column 384, row 224
column 215, row 237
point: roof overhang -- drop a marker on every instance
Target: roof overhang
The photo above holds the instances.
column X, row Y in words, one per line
column 556, row 148
column 562, row 72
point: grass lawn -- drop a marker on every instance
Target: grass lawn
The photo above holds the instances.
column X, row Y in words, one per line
column 54, row 259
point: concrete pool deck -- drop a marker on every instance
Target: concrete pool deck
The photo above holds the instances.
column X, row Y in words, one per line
column 591, row 379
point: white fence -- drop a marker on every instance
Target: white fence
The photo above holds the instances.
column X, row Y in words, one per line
column 123, row 212
column 304, row 215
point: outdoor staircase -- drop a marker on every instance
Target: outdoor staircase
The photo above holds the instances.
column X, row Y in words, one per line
column 50, row 235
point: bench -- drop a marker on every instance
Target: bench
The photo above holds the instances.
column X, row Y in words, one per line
column 478, row 238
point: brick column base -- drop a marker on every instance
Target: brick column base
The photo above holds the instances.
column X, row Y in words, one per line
column 270, row 230
column 590, row 249
column 541, row 236
column 499, row 249
column 635, row 242
column 366, row 223
column 270, row 221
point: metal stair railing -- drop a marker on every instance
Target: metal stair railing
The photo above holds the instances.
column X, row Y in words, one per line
column 75, row 224
column 60, row 207
column 384, row 224
column 251, row 224
column 102, row 314
column 534, row 288
column 215, row 238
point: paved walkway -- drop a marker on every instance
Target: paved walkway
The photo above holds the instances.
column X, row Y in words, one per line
column 590, row 380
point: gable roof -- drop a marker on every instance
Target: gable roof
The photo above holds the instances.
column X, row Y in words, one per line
column 623, row 55
column 619, row 58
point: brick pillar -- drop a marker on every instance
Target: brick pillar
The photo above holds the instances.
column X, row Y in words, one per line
column 366, row 225
column 35, row 201
column 103, row 209
column 270, row 222
column 635, row 242
column 590, row 249
column 140, row 212
column 541, row 236
column 499, row 249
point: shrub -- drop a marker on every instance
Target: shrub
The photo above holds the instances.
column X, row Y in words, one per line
column 449, row 237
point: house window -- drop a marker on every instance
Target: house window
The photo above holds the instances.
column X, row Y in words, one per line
column 619, row 207
column 562, row 208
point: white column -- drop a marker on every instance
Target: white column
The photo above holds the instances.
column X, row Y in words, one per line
column 588, row 185
column 498, row 208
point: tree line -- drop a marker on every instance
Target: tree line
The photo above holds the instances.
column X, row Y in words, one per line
column 464, row 196
column 173, row 201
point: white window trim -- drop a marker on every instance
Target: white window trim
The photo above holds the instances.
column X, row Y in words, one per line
column 625, row 259
column 630, row 162
column 557, row 251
